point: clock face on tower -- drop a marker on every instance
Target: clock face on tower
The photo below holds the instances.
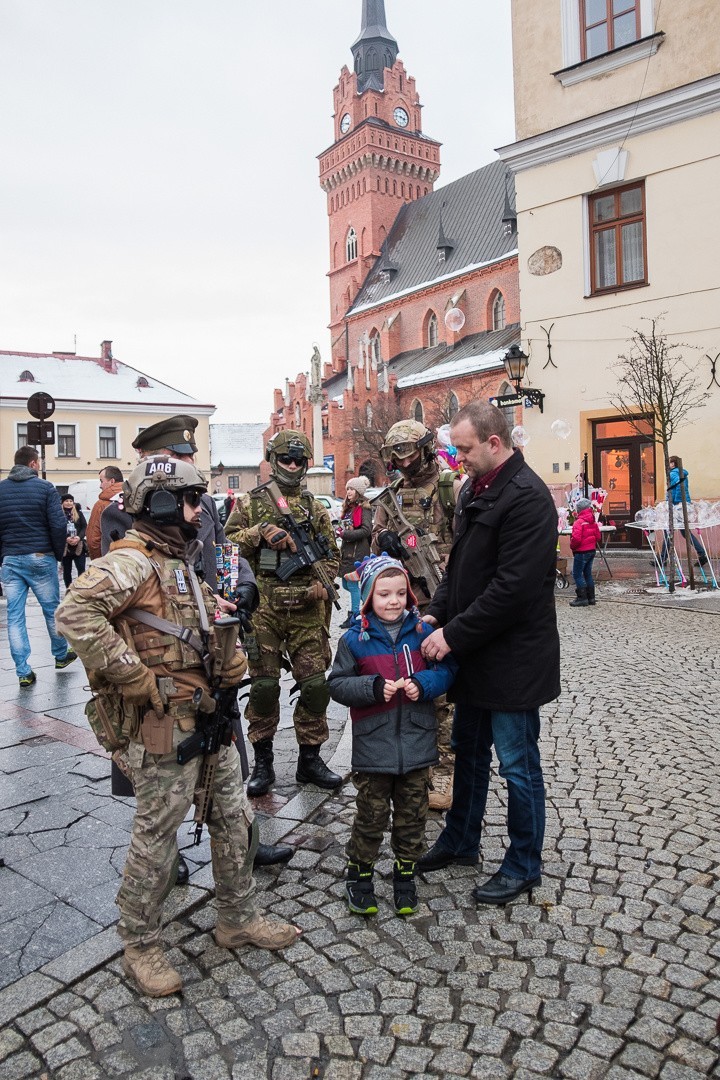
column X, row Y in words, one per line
column 345, row 123
column 401, row 117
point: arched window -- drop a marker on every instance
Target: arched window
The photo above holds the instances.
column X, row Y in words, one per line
column 432, row 331
column 375, row 347
column 508, row 411
column 418, row 413
column 453, row 405
column 351, row 245
column 498, row 312
column 26, row 376
column 369, row 414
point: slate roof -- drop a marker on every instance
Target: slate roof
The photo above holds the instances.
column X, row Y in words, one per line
column 472, row 210
column 237, row 445
column 69, row 378
column 477, row 352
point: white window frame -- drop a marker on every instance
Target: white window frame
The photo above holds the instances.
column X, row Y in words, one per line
column 118, row 451
column 572, row 50
column 67, row 457
column 18, row 425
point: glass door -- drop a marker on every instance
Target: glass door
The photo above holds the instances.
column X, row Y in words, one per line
column 624, row 465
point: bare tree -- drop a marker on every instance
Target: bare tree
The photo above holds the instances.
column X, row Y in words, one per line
column 657, row 385
column 370, row 428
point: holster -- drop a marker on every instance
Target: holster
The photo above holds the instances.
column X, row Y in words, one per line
column 156, row 732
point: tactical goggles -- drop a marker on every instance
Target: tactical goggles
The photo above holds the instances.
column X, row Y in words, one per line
column 398, row 450
column 192, row 498
column 290, row 459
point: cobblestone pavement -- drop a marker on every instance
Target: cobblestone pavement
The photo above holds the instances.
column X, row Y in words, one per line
column 611, row 970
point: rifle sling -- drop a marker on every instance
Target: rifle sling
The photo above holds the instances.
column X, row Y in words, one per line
column 184, row 633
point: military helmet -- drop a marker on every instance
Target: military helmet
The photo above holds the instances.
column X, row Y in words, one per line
column 406, row 438
column 155, row 483
column 291, row 446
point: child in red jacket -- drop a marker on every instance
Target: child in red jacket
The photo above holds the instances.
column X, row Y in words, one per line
column 583, row 543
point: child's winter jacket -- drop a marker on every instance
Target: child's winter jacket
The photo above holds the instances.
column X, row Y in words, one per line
column 585, row 532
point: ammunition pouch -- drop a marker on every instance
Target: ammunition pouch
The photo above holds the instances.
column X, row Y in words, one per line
column 315, row 694
column 264, row 696
column 114, row 723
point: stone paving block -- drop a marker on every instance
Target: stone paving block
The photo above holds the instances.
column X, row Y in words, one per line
column 25, row 994
column 579, row 1065
column 20, row 1065
column 343, row 1070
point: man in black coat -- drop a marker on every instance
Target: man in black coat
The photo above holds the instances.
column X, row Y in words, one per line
column 496, row 610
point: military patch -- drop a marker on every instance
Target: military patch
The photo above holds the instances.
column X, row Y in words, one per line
column 180, row 579
column 94, row 580
column 161, row 465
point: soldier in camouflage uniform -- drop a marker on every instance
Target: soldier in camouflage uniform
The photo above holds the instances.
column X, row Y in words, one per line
column 292, row 618
column 426, row 495
column 144, row 677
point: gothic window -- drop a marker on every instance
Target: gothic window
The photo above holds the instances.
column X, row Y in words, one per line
column 417, row 411
column 375, row 347
column 432, row 331
column 453, row 405
column 498, row 312
column 369, row 414
column 351, row 245
column 402, row 189
column 335, row 256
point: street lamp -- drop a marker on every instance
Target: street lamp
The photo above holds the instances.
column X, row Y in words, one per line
column 515, row 362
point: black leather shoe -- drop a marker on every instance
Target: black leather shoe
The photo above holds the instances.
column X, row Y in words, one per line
column 311, row 769
column 183, row 872
column 269, row 854
column 438, row 857
column 501, row 889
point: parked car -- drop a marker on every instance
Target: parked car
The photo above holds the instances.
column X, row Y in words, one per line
column 220, row 503
column 332, row 505
column 373, row 492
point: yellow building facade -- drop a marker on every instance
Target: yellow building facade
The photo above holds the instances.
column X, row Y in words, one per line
column 101, row 404
column 617, row 165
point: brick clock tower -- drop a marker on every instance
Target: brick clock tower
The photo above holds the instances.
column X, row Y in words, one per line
column 379, row 160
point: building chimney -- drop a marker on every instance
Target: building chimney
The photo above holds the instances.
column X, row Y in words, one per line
column 107, row 361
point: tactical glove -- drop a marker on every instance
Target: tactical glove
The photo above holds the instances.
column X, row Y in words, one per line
column 233, row 673
column 276, row 538
column 139, row 687
column 390, row 542
column 317, row 592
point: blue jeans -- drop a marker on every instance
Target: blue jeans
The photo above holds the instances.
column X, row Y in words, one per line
column 582, row 569
column 353, row 587
column 699, row 549
column 515, row 737
column 39, row 573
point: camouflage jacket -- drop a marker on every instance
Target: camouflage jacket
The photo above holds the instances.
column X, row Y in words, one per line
column 243, row 528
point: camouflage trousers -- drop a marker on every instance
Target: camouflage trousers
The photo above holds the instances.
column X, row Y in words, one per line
column 444, row 712
column 164, row 793
column 376, row 794
column 284, row 624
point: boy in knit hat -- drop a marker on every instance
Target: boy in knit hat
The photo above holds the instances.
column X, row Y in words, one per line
column 379, row 672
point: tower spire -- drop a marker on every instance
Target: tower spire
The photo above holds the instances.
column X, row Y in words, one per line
column 375, row 49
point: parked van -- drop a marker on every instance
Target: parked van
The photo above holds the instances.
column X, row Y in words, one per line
column 85, row 492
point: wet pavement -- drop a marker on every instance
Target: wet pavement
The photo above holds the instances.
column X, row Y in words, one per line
column 612, row 969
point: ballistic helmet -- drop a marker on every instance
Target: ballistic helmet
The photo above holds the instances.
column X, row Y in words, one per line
column 157, row 486
column 284, row 447
column 405, row 439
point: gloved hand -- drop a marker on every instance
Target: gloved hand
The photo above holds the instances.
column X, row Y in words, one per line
column 277, row 538
column 139, row 687
column 233, row 673
column 247, row 599
column 317, row 592
column 390, row 542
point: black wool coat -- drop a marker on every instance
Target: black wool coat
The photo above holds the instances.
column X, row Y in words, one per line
column 496, row 601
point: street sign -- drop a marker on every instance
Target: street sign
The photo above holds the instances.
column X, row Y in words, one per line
column 41, row 431
column 40, row 405
column 504, row 400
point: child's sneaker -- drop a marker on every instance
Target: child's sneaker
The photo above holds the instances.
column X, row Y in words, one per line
column 404, row 888
column 359, row 889
column 28, row 680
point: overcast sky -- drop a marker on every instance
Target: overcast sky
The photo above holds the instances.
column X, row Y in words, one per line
column 159, row 183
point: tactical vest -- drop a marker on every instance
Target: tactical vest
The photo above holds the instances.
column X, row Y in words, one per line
column 419, row 505
column 261, row 511
column 168, row 594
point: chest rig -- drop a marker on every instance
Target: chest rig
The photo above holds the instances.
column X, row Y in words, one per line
column 261, row 512
column 424, row 510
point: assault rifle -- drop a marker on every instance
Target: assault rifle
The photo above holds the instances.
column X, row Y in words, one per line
column 311, row 551
column 215, row 712
column 414, row 546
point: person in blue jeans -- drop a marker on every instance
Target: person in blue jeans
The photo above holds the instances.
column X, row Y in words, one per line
column 33, row 530
column 495, row 613
column 675, row 489
column 583, row 544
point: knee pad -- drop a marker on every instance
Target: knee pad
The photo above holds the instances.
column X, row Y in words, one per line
column 264, row 696
column 315, row 694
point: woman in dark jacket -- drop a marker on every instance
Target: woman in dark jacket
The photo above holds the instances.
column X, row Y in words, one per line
column 354, row 532
column 75, row 544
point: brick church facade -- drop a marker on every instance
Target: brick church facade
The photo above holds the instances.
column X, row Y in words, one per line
column 402, row 256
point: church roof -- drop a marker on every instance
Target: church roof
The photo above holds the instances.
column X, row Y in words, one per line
column 374, row 49
column 470, row 210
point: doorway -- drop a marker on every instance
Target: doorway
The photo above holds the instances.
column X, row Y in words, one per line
column 624, row 465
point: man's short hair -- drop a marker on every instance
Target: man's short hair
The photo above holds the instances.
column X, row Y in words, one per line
column 26, row 454
column 485, row 420
column 113, row 473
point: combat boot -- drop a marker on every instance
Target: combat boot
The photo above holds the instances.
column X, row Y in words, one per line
column 311, row 769
column 404, row 887
column 581, row 598
column 151, row 971
column 591, row 594
column 263, row 774
column 440, row 796
column 359, row 889
column 259, row 931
